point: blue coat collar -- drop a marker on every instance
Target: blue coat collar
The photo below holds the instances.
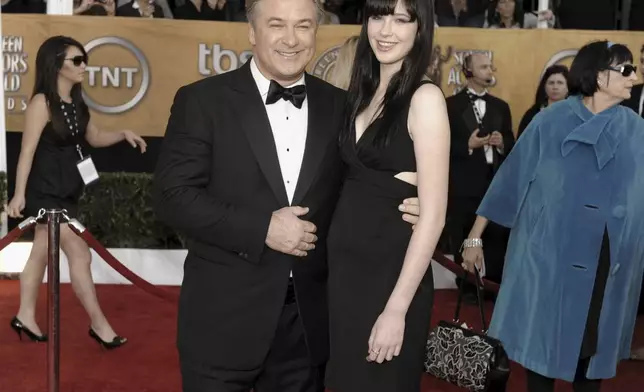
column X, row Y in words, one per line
column 599, row 130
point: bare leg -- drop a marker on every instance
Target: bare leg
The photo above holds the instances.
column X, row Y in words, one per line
column 31, row 278
column 79, row 258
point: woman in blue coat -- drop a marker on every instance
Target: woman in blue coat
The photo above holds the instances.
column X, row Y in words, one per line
column 572, row 192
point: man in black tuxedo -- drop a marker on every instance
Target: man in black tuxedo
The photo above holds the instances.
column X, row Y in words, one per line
column 636, row 102
column 242, row 152
column 481, row 126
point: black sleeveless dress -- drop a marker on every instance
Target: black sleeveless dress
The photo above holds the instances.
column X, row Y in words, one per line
column 54, row 180
column 367, row 243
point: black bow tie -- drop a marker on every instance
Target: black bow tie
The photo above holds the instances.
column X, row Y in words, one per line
column 295, row 94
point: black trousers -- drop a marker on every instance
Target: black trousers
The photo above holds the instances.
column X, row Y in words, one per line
column 539, row 383
column 287, row 367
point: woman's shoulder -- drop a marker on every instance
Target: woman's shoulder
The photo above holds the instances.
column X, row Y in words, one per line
column 38, row 107
column 426, row 93
column 555, row 113
column 632, row 123
column 628, row 115
column 39, row 101
column 546, row 123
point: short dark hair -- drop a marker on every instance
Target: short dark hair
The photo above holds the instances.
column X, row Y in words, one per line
column 592, row 59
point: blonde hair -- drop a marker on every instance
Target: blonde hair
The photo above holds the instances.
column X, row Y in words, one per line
column 341, row 74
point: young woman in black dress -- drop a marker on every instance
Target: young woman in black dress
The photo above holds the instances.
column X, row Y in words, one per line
column 396, row 145
column 57, row 131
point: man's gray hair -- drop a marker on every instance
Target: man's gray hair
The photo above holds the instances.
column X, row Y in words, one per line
column 251, row 4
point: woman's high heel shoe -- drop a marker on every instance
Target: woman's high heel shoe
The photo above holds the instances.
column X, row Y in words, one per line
column 19, row 327
column 117, row 342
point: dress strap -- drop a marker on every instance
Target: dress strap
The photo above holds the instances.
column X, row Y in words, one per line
column 425, row 81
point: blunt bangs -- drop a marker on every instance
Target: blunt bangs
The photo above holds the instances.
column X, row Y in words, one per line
column 619, row 54
column 387, row 7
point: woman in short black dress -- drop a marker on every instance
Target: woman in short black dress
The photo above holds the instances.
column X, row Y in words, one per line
column 57, row 132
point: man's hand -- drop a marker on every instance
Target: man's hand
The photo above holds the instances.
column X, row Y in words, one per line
column 476, row 141
column 496, row 140
column 289, row 234
column 411, row 209
column 545, row 15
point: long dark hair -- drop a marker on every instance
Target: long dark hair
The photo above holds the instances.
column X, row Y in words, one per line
column 49, row 61
column 365, row 76
column 541, row 98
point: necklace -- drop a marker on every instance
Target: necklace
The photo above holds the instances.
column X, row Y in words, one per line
column 71, row 120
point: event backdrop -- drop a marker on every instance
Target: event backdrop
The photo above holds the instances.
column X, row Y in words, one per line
column 136, row 65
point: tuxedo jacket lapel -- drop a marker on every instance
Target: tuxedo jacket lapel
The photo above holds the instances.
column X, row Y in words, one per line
column 316, row 139
column 464, row 104
column 255, row 124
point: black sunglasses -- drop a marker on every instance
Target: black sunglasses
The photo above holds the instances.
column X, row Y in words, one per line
column 78, row 60
column 626, row 70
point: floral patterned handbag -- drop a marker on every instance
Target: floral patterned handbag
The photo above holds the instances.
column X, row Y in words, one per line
column 466, row 358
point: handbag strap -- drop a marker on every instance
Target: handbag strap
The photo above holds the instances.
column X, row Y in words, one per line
column 479, row 298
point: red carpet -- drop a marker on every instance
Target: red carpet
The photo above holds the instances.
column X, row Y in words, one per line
column 148, row 363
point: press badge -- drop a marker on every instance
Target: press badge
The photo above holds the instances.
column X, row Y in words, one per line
column 87, row 170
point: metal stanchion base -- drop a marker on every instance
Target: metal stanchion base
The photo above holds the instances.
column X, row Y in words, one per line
column 53, row 218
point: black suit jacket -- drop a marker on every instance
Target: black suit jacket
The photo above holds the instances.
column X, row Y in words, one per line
column 634, row 101
column 218, row 181
column 469, row 173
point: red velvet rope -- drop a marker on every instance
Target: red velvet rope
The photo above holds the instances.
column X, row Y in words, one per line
column 144, row 285
column 82, row 232
column 16, row 233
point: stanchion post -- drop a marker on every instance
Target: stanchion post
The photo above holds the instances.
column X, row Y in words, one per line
column 53, row 299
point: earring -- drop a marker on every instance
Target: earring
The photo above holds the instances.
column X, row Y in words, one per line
column 600, row 83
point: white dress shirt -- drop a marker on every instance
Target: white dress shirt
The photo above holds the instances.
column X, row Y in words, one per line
column 641, row 103
column 481, row 106
column 289, row 125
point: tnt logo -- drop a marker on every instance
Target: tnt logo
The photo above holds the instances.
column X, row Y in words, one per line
column 118, row 75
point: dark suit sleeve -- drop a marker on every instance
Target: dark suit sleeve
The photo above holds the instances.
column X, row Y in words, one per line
column 506, row 129
column 460, row 138
column 183, row 171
